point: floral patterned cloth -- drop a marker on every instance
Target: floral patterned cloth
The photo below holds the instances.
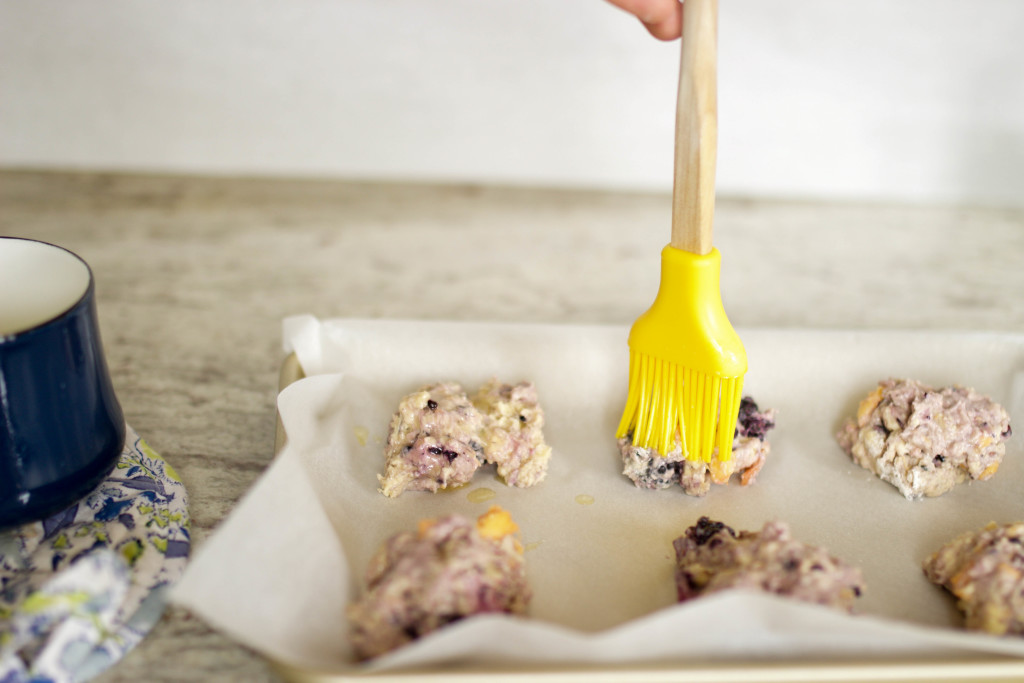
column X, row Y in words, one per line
column 80, row 589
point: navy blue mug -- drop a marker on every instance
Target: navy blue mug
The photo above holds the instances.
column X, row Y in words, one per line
column 61, row 427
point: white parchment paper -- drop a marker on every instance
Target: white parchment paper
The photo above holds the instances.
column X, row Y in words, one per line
column 279, row 571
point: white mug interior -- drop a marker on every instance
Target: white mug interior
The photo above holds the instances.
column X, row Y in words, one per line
column 38, row 283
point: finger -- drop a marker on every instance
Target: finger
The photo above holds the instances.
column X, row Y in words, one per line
column 668, row 28
column 663, row 18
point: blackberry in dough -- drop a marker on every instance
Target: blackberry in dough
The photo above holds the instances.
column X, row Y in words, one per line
column 648, row 469
column 433, row 442
column 712, row 557
column 439, row 438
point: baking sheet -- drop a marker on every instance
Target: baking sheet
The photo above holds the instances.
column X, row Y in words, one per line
column 279, row 571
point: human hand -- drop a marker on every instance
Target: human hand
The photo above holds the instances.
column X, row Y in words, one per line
column 663, row 18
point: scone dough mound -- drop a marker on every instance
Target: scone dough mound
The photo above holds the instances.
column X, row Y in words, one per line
column 439, row 437
column 925, row 441
column 512, row 432
column 449, row 569
column 649, row 470
column 984, row 569
column 712, row 557
column 433, row 442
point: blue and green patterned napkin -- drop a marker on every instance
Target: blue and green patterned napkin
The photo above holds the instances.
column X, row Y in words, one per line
column 82, row 588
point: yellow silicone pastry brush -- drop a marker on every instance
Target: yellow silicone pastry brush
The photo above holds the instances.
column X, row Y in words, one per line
column 686, row 363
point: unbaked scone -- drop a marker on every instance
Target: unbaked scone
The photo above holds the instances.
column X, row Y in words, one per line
column 648, row 469
column 712, row 557
column 512, row 432
column 447, row 570
column 925, row 441
column 439, row 437
column 984, row 569
column 434, row 441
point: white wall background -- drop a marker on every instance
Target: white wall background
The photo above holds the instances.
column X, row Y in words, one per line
column 907, row 100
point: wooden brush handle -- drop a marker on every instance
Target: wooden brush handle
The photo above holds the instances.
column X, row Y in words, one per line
column 693, row 191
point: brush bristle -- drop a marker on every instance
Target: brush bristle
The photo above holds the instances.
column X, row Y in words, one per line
column 667, row 400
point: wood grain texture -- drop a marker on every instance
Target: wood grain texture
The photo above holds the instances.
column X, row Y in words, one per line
column 693, row 203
